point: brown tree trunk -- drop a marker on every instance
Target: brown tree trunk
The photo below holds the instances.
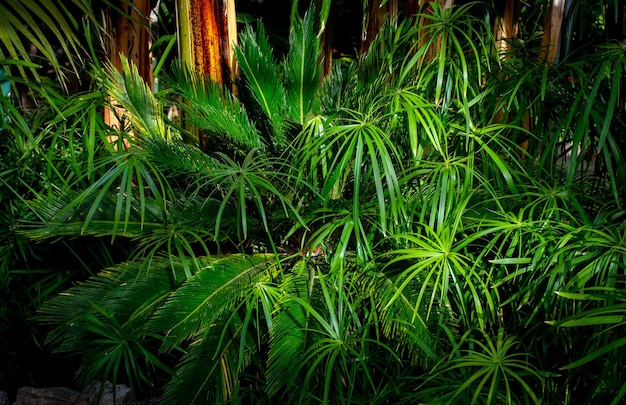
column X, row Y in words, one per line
column 207, row 40
column 375, row 19
column 128, row 34
column 507, row 26
column 551, row 41
column 208, row 37
column 413, row 7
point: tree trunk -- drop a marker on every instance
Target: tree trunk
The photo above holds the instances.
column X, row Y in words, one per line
column 551, row 41
column 413, row 7
column 128, row 34
column 208, row 35
column 507, row 25
column 207, row 40
column 374, row 19
column 507, row 28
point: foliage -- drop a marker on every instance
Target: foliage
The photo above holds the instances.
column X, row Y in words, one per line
column 39, row 22
column 421, row 225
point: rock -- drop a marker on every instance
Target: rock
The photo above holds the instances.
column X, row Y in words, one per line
column 49, row 396
column 91, row 395
column 121, row 395
column 4, row 398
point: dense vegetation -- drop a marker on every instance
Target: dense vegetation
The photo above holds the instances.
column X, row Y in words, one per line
column 432, row 222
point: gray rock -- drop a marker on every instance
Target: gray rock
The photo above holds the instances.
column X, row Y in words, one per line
column 49, row 396
column 4, row 398
column 94, row 394
column 120, row 395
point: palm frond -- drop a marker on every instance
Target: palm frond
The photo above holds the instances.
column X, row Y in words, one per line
column 450, row 31
column 103, row 318
column 447, row 273
column 404, row 323
column 128, row 89
column 177, row 158
column 210, row 107
column 39, row 22
column 250, row 180
column 355, row 152
column 208, row 371
column 136, row 179
column 217, row 287
column 302, row 69
column 289, row 334
column 61, row 215
column 261, row 72
column 497, row 367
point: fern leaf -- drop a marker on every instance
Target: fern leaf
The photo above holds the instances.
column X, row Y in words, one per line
column 75, row 214
column 129, row 290
column 288, row 336
column 208, row 372
column 133, row 94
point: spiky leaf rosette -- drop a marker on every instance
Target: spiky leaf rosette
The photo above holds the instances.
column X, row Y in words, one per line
column 103, row 319
column 302, row 70
column 212, row 108
column 261, row 71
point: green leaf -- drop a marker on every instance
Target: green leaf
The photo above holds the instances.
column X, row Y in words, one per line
column 129, row 90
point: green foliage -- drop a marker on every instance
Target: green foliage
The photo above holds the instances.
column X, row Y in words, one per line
column 488, row 371
column 408, row 229
column 209, row 108
column 256, row 60
column 301, row 76
column 44, row 24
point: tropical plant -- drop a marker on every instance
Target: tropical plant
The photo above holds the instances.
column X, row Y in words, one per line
column 488, row 371
column 397, row 231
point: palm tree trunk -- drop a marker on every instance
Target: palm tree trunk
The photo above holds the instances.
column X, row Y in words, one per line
column 208, row 36
column 507, row 26
column 129, row 34
column 374, row 18
column 207, row 40
column 551, row 42
column 413, row 7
